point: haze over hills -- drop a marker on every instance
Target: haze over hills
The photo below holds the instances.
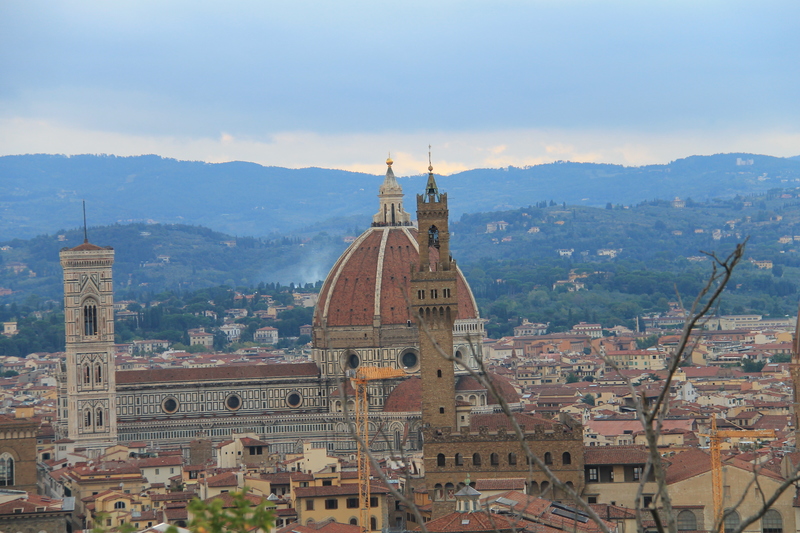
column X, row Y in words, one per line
column 42, row 193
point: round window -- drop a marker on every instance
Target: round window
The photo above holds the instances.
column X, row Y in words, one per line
column 169, row 405
column 353, row 361
column 294, row 399
column 233, row 402
column 410, row 359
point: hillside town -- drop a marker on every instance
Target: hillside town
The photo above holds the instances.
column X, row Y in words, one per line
column 399, row 414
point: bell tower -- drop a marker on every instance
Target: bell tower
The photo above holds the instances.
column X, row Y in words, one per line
column 87, row 403
column 434, row 302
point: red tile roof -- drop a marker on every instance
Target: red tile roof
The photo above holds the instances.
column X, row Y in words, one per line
column 473, row 522
column 326, row 526
column 615, row 455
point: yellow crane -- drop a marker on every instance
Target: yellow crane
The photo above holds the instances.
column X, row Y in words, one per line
column 361, row 378
column 715, row 438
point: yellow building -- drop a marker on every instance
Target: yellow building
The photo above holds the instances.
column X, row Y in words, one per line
column 340, row 503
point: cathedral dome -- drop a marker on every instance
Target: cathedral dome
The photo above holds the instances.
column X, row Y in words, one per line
column 370, row 282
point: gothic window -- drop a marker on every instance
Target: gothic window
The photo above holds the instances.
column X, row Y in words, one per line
column 90, row 318
column 494, row 459
column 476, row 459
column 87, row 374
column 99, row 417
column 433, row 237
column 566, row 458
column 6, row 470
column 98, row 373
column 548, row 458
column 87, row 418
column 687, row 521
column 512, row 458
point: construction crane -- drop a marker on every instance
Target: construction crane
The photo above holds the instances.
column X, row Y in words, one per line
column 715, row 438
column 361, row 378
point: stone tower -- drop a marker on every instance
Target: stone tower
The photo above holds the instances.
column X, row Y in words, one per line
column 794, row 370
column 434, row 302
column 87, row 404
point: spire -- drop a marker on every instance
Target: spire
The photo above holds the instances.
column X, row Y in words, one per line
column 390, row 201
column 85, row 230
column 431, row 189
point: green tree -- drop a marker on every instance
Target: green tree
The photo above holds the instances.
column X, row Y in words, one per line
column 588, row 399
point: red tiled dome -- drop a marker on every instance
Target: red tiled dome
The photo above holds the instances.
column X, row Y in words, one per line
column 406, row 397
column 377, row 263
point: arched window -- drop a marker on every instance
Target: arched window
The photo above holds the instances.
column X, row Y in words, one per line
column 459, row 460
column 440, row 460
column 545, row 487
column 570, row 485
column 512, row 458
column 98, row 373
column 450, row 492
column 732, row 520
column 438, row 492
column 772, row 522
column 494, row 459
column 87, row 374
column 687, row 521
column 476, row 459
column 119, row 505
column 566, row 458
column 548, row 458
column 87, row 418
column 433, row 237
column 99, row 417
column 533, row 488
column 438, row 373
column 354, row 521
column 89, row 318
column 373, row 523
column 6, row 470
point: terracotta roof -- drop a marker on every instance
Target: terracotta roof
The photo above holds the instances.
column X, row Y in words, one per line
column 229, row 501
column 222, row 480
column 472, row 522
column 495, row 421
column 29, row 504
column 247, row 441
column 224, row 372
column 615, row 455
column 688, row 464
column 348, row 295
column 86, row 246
column 504, row 388
column 173, row 496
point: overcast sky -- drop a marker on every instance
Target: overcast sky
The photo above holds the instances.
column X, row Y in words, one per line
column 340, row 84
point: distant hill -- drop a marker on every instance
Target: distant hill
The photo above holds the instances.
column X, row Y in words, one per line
column 41, row 193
